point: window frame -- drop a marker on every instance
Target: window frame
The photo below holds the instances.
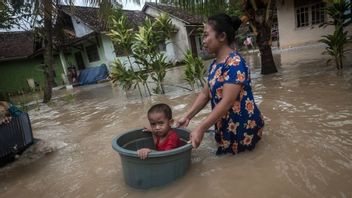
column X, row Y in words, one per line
column 300, row 15
column 321, row 12
column 310, row 15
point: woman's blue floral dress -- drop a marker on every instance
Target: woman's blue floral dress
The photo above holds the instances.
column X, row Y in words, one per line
column 241, row 127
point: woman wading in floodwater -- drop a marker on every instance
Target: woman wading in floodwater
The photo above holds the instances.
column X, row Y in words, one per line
column 238, row 121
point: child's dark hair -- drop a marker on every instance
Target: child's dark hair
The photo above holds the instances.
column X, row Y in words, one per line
column 224, row 23
column 161, row 108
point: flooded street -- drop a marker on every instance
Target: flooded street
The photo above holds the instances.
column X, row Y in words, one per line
column 305, row 152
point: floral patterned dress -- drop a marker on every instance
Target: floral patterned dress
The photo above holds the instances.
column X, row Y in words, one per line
column 240, row 128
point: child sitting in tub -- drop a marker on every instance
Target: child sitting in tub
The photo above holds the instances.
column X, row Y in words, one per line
column 160, row 119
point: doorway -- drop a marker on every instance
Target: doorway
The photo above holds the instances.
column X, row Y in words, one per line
column 79, row 61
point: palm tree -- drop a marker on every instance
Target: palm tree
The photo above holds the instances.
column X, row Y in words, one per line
column 47, row 10
column 8, row 10
column 339, row 17
column 258, row 13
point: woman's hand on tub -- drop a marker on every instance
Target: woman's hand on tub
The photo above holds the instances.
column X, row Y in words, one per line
column 183, row 122
column 196, row 137
column 143, row 153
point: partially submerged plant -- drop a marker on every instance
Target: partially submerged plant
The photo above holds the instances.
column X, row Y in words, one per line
column 338, row 11
column 335, row 47
column 69, row 97
column 143, row 47
column 194, row 70
column 125, row 77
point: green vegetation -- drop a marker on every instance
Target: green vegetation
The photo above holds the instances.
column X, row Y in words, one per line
column 194, row 70
column 143, row 47
column 338, row 11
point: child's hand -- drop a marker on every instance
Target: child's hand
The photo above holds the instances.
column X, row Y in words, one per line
column 147, row 129
column 143, row 153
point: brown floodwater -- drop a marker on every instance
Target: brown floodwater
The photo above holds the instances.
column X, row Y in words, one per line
column 305, row 152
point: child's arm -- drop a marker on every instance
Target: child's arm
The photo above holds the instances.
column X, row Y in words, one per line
column 143, row 153
column 149, row 130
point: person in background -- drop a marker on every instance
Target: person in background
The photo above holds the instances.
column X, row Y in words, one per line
column 7, row 111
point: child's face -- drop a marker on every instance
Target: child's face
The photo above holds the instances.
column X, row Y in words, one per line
column 159, row 123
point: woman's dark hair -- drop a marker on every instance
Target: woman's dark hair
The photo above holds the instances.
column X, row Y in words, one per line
column 224, row 23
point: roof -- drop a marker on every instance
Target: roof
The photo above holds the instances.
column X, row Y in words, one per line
column 90, row 16
column 16, row 44
column 188, row 17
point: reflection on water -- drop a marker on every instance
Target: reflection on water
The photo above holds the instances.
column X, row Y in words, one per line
column 306, row 150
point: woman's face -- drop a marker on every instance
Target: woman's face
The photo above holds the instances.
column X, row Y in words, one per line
column 211, row 42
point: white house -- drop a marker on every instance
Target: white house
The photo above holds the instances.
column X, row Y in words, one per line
column 187, row 24
column 83, row 42
column 299, row 20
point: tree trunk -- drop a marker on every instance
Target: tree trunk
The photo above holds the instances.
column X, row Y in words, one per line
column 264, row 44
column 267, row 60
column 48, row 53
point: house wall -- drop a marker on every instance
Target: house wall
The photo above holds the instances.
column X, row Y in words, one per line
column 105, row 50
column 101, row 52
column 170, row 51
column 290, row 35
column 180, row 40
column 108, row 49
column 14, row 73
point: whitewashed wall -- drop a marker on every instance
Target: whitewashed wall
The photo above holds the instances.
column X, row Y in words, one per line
column 180, row 40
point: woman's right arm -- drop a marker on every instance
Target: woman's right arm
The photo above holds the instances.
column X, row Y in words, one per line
column 200, row 102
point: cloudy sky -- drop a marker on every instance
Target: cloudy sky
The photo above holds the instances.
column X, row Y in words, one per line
column 127, row 4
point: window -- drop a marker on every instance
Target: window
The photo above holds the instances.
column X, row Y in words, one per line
column 302, row 17
column 309, row 13
column 318, row 14
column 92, row 53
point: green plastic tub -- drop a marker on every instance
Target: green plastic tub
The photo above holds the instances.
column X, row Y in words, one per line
column 160, row 168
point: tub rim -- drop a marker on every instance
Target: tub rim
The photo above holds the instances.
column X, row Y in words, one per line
column 153, row 154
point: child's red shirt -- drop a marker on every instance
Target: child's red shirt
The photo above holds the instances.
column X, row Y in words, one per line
column 172, row 141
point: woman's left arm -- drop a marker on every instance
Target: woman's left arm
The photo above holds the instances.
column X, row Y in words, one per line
column 230, row 94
